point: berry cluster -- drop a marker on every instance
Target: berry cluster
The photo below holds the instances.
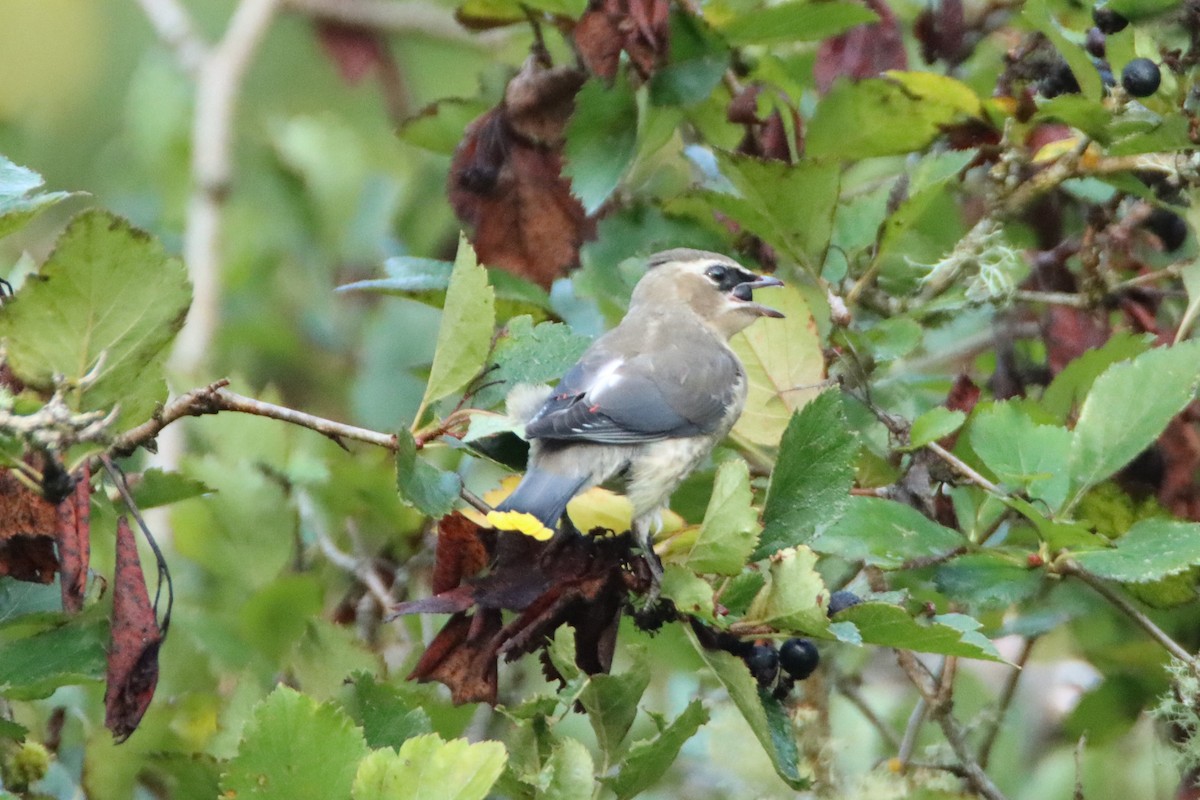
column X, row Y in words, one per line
column 1141, row 77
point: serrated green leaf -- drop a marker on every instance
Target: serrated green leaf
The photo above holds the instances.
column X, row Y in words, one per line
column 18, row 202
column 465, row 333
column 987, row 580
column 935, row 423
column 794, row 597
column 108, row 300
column 568, row 774
column 12, row 730
column 528, row 353
column 387, row 717
column 699, row 59
column 810, row 484
column 611, row 702
column 795, row 22
column 601, row 140
column 771, row 195
column 886, row 534
column 900, row 113
column 1150, row 550
column 1022, row 453
column 34, row 666
column 295, row 748
column 778, row 740
column 784, row 367
column 648, row 760
column 158, row 488
column 427, row 768
column 730, row 528
column 948, row 634
column 430, row 490
column 1127, row 408
column 1069, row 387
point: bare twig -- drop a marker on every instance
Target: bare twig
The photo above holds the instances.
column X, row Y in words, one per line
column 850, row 692
column 1052, row 298
column 174, row 26
column 387, row 16
column 1006, row 697
column 358, row 565
column 1070, row 567
column 963, row 468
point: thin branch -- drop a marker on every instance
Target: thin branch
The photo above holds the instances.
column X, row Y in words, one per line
column 1110, row 594
column 963, row 468
column 175, row 27
column 1006, row 697
column 1052, row 298
column 387, row 16
column 218, row 84
column 850, row 691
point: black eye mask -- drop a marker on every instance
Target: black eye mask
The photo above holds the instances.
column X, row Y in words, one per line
column 730, row 278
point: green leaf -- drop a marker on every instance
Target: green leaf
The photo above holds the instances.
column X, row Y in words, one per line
column 769, row 196
column 648, row 760
column 884, row 533
column 568, row 773
column 528, row 353
column 601, row 140
column 33, row 667
column 784, row 367
column 987, row 580
column 427, row 768
column 108, row 300
column 12, row 730
column 690, row 593
column 1128, row 407
column 295, row 748
column 1069, row 388
column 611, row 702
column 948, row 634
column 465, row 334
column 935, row 423
column 1022, row 453
column 17, row 204
column 900, row 113
column 795, row 22
column 810, row 485
column 773, row 731
column 1037, row 13
column 158, row 488
column 730, row 528
column 387, row 717
column 699, row 59
column 1150, row 550
column 430, row 490
column 794, row 597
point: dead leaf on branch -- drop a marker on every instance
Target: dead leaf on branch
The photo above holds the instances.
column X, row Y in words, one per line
column 575, row 580
column 506, row 178
column 355, row 50
column 135, row 640
column 74, row 542
column 28, row 529
column 864, row 51
column 639, row 27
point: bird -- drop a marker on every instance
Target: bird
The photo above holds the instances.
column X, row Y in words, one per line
column 649, row 399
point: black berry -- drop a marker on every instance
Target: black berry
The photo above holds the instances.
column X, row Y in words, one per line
column 763, row 661
column 799, row 658
column 1141, row 77
column 1095, row 42
column 842, row 600
column 1169, row 227
column 1107, row 20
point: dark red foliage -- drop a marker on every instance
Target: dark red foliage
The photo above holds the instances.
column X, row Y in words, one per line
column 506, row 178
column 941, row 31
column 575, row 580
column 74, row 542
column 134, row 641
column 28, row 528
column 355, row 50
column 639, row 27
column 864, row 51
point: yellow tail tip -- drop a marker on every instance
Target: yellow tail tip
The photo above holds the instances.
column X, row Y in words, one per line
column 521, row 522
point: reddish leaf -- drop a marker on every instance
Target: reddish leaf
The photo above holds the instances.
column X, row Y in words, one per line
column 766, row 138
column 864, row 51
column 941, row 31
column 461, row 552
column 1179, row 447
column 639, row 27
column 135, row 639
column 74, row 542
column 506, row 179
column 357, row 51
column 28, row 526
column 964, row 394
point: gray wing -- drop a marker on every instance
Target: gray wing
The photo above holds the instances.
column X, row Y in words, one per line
column 612, row 399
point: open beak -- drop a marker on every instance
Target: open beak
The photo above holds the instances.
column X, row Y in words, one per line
column 762, row 282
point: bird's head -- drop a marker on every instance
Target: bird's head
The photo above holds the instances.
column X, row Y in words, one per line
column 715, row 287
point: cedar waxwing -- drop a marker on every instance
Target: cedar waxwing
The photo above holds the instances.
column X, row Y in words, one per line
column 650, row 398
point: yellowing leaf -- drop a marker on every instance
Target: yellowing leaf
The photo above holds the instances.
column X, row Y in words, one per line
column 945, row 91
column 784, row 366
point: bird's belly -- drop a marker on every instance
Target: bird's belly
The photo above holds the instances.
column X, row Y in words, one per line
column 658, row 468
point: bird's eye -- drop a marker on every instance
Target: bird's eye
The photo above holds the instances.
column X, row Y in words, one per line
column 717, row 273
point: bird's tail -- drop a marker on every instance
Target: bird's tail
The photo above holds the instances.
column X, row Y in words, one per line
column 537, row 504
